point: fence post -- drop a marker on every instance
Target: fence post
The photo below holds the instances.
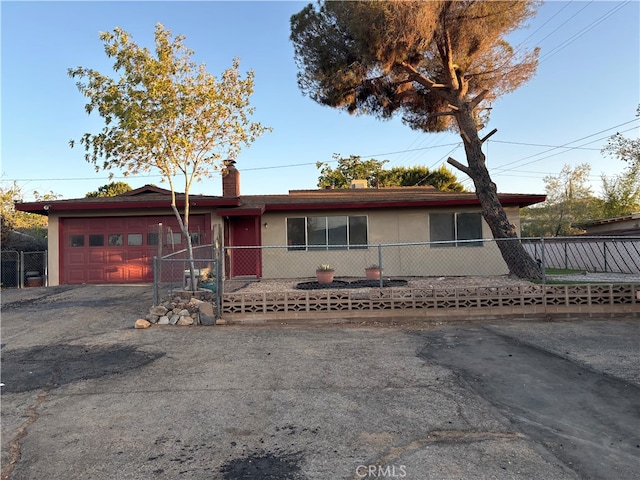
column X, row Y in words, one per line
column 380, row 265
column 219, row 287
column 21, row 271
column 156, row 294
column 604, row 253
column 543, row 262
column 45, row 270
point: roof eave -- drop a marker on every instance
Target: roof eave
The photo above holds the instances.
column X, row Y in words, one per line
column 519, row 201
column 43, row 208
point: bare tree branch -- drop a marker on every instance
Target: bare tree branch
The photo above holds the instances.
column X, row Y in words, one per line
column 459, row 166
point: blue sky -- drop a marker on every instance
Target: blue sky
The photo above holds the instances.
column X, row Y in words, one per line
column 586, row 89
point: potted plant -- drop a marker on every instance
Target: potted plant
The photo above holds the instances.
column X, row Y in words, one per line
column 34, row 279
column 373, row 272
column 324, row 273
column 207, row 279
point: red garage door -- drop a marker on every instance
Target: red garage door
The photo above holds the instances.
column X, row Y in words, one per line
column 118, row 249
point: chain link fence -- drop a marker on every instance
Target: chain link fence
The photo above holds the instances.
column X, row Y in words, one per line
column 175, row 273
column 10, row 269
column 620, row 255
column 24, row 269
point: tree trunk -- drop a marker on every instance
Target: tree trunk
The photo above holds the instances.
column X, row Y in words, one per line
column 184, row 228
column 192, row 266
column 519, row 262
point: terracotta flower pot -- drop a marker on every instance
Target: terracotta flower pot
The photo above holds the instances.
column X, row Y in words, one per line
column 325, row 276
column 34, row 281
column 372, row 273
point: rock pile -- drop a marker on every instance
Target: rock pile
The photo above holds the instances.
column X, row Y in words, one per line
column 179, row 311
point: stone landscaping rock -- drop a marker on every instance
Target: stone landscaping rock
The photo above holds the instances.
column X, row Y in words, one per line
column 158, row 310
column 195, row 302
column 207, row 315
column 142, row 323
column 185, row 321
column 183, row 311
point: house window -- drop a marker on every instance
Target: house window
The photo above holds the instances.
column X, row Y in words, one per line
column 134, row 239
column 174, row 238
column 96, row 240
column 296, row 237
column 152, row 239
column 327, row 233
column 76, row 240
column 115, row 240
column 454, row 227
column 195, row 238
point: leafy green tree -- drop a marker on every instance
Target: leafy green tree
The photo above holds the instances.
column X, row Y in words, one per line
column 622, row 192
column 569, row 201
column 432, row 63
column 13, row 220
column 442, row 178
column 376, row 175
column 166, row 113
column 626, row 149
column 352, row 168
column 110, row 190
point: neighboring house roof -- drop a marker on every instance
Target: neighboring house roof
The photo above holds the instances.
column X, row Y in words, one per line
column 145, row 197
column 623, row 225
column 327, row 199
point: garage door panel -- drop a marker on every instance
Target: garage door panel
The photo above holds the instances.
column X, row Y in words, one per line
column 96, row 257
column 77, row 224
column 76, row 275
column 114, row 257
column 77, row 256
column 135, row 272
column 115, row 224
column 95, row 275
column 116, row 249
column 114, row 274
column 139, row 223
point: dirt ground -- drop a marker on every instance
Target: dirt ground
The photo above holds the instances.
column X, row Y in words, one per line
column 86, row 396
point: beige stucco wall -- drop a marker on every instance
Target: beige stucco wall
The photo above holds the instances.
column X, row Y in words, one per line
column 53, row 253
column 53, row 233
column 385, row 227
column 389, row 226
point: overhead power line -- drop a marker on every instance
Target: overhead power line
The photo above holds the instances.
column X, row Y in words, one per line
column 501, row 167
column 542, row 145
column 580, row 33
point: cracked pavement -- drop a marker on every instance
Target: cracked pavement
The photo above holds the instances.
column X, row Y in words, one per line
column 87, row 396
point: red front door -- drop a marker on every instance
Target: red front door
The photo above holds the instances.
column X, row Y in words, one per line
column 245, row 232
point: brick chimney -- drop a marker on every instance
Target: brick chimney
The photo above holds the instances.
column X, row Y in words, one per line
column 230, row 180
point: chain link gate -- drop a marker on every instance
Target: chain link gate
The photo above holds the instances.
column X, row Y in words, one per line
column 172, row 272
column 24, row 269
column 10, row 269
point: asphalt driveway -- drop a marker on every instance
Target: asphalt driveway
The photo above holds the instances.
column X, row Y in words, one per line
column 86, row 396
